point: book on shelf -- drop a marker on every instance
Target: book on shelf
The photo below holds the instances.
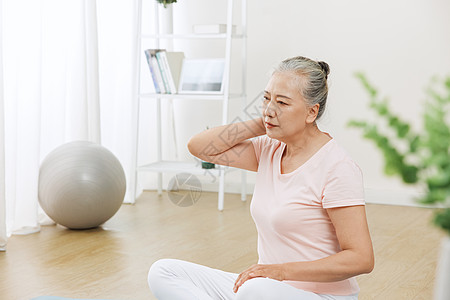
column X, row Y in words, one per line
column 175, row 62
column 163, row 68
column 171, row 63
column 155, row 71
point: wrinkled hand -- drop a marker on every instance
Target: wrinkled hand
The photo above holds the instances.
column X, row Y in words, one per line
column 269, row 271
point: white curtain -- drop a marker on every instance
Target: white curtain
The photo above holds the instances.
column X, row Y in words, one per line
column 68, row 75
column 2, row 149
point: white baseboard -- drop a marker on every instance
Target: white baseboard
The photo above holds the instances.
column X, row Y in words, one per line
column 402, row 197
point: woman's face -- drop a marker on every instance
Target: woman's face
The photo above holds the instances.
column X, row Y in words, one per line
column 285, row 111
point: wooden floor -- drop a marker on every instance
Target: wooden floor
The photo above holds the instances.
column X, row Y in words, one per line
column 112, row 262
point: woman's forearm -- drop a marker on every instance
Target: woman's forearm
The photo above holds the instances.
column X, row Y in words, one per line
column 339, row 266
column 219, row 139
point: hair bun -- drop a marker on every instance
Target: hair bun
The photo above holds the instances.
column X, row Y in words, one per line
column 325, row 68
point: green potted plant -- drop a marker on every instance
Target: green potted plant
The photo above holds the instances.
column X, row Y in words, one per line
column 205, row 164
column 166, row 19
column 418, row 158
column 166, row 2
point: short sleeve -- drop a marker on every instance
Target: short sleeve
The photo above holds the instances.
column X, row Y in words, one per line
column 344, row 186
column 259, row 143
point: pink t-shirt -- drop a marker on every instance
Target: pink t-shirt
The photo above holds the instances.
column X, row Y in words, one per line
column 289, row 210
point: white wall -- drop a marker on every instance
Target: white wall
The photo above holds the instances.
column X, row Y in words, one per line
column 398, row 44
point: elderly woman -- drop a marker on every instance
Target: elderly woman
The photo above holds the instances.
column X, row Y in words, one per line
column 308, row 202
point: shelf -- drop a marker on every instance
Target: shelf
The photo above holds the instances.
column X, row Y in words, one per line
column 195, row 168
column 191, row 36
column 191, row 96
column 154, row 35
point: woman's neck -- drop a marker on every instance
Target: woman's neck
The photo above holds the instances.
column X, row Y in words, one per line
column 310, row 140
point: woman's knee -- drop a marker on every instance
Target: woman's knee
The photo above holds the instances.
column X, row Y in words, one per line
column 253, row 289
column 159, row 271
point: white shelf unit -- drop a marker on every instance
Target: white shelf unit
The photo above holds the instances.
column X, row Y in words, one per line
column 161, row 166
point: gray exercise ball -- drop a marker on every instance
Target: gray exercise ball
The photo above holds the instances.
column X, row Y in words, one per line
column 81, row 185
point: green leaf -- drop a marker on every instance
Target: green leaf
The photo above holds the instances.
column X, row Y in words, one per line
column 442, row 219
column 354, row 123
column 369, row 88
column 447, row 83
column 409, row 174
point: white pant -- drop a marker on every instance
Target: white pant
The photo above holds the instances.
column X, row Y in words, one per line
column 172, row 279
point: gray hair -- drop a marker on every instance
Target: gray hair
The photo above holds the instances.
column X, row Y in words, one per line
column 314, row 88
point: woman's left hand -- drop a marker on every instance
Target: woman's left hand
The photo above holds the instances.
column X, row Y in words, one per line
column 269, row 271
